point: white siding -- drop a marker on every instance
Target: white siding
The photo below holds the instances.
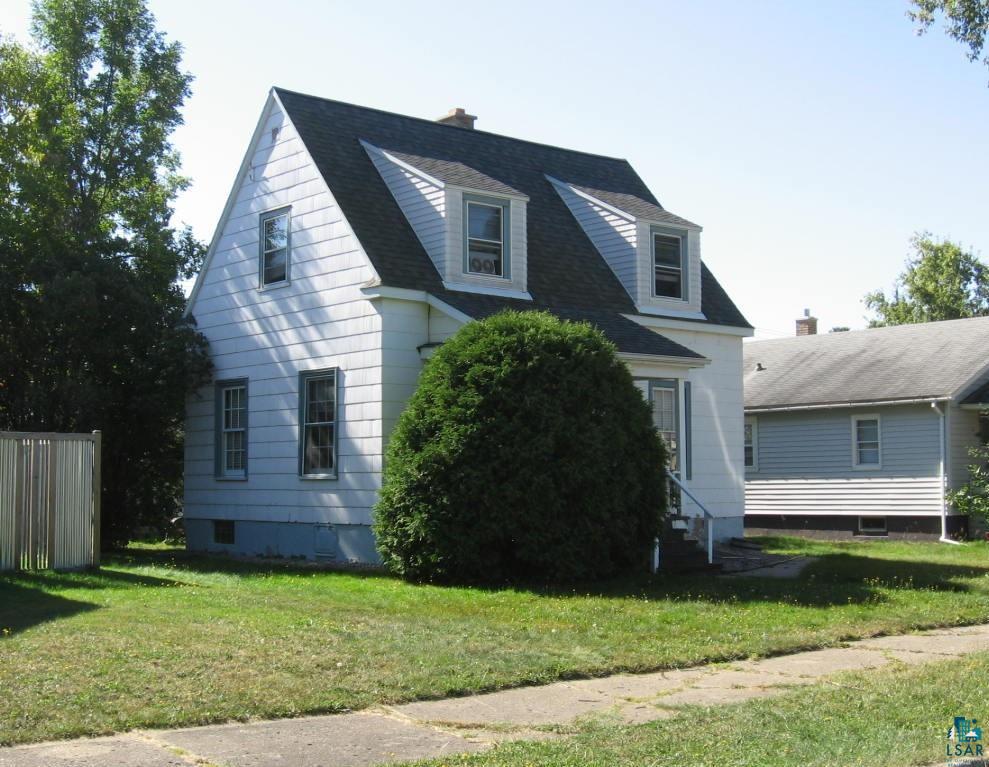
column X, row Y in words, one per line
column 319, row 320
column 716, row 428
column 422, row 201
column 885, row 496
column 805, row 464
column 625, row 243
column 614, row 236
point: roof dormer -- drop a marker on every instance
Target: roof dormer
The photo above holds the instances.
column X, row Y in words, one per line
column 472, row 226
column 654, row 253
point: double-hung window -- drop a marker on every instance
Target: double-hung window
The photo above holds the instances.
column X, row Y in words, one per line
column 866, row 442
column 751, row 444
column 668, row 259
column 317, row 423
column 276, row 236
column 231, row 429
column 665, row 418
column 486, row 228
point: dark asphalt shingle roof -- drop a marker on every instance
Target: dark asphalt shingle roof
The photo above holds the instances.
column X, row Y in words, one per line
column 636, row 206
column 566, row 274
column 928, row 360
column 456, row 173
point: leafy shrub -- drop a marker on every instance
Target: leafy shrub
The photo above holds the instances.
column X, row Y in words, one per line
column 526, row 453
column 972, row 498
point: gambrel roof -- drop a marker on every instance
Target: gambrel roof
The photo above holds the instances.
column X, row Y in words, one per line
column 565, row 275
column 928, row 361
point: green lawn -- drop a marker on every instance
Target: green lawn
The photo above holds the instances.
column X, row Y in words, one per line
column 889, row 718
column 159, row 639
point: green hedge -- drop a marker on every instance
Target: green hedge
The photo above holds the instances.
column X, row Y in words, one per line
column 525, row 454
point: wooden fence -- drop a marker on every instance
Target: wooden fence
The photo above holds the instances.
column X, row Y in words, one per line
column 49, row 500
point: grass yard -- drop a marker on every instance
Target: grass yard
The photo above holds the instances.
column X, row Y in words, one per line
column 889, row 718
column 159, row 639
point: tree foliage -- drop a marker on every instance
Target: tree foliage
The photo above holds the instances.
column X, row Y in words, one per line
column 942, row 281
column 92, row 333
column 525, row 453
column 966, row 21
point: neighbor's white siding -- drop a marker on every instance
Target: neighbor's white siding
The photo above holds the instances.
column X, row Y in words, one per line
column 320, row 320
column 805, row 464
column 963, row 434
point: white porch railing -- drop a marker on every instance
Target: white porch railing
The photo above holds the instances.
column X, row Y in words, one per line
column 708, row 516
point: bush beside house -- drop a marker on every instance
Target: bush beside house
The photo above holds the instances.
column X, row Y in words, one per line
column 526, row 453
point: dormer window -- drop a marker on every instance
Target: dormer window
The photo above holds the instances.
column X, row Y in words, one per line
column 486, row 236
column 669, row 260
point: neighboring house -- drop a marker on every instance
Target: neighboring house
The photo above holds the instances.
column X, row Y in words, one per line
column 864, row 432
column 355, row 241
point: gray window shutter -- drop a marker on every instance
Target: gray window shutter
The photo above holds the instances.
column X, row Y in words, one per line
column 688, row 462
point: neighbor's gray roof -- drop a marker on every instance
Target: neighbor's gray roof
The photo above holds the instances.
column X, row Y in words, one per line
column 930, row 360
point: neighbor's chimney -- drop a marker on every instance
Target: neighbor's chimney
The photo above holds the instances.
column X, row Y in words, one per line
column 807, row 325
column 459, row 118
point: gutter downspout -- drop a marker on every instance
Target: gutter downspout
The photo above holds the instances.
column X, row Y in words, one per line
column 941, row 476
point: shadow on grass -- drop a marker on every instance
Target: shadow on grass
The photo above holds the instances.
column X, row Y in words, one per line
column 22, row 606
column 838, row 577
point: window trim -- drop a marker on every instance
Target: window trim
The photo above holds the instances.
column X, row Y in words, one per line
column 683, row 236
column 285, row 210
column 672, row 384
column 855, row 448
column 219, row 466
column 863, row 529
column 751, row 420
column 304, row 377
column 506, row 239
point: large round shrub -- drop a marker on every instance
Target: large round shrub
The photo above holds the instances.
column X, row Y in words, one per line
column 526, row 453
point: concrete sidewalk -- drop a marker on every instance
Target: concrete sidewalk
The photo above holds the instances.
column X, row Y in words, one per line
column 459, row 725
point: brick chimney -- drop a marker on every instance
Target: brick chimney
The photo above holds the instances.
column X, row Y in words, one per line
column 807, row 325
column 459, row 118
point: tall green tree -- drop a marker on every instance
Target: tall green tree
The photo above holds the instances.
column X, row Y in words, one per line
column 92, row 327
column 966, row 21
column 942, row 281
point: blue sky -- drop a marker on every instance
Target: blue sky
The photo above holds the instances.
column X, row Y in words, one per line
column 811, row 140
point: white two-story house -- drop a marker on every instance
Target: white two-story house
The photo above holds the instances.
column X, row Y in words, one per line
column 355, row 241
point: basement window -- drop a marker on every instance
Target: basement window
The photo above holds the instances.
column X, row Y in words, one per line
column 223, row 531
column 872, row 525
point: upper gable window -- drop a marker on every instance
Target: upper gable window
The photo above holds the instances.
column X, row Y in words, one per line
column 275, row 247
column 669, row 252
column 486, row 236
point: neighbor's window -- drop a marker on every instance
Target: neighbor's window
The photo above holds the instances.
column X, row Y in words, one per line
column 751, row 443
column 668, row 260
column 317, row 427
column 866, row 441
column 486, row 230
column 231, row 429
column 275, row 247
column 664, row 417
column 223, row 531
